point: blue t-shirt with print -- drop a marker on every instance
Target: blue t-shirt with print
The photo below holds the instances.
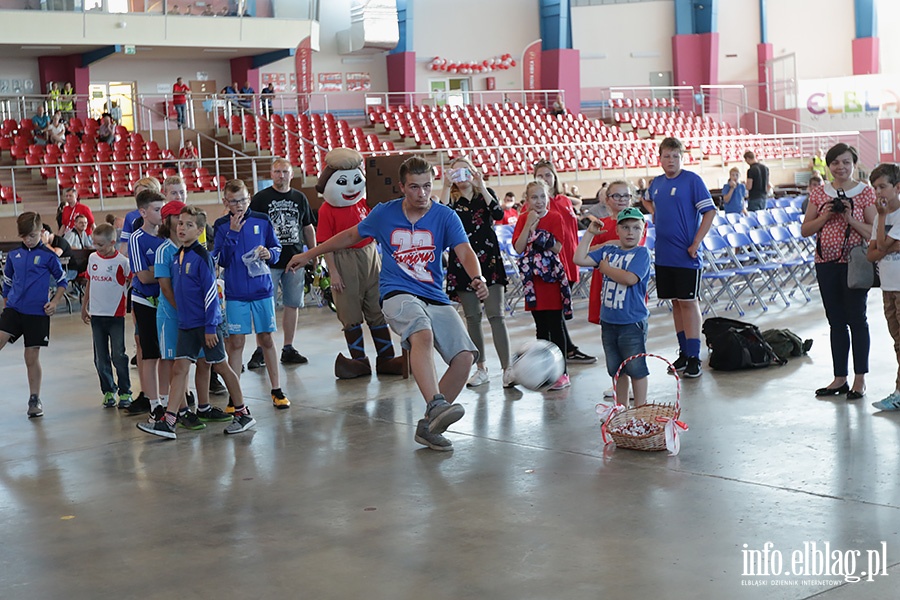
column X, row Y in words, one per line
column 678, row 203
column 624, row 304
column 736, row 204
column 411, row 254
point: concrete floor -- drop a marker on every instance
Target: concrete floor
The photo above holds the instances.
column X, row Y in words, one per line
column 334, row 499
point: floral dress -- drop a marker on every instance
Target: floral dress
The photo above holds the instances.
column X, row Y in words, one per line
column 478, row 221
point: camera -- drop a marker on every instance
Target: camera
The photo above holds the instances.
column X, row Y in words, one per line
column 837, row 204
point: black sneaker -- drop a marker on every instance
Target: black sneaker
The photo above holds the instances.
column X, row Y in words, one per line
column 257, row 360
column 190, row 420
column 215, row 384
column 160, row 428
column 679, row 364
column 157, row 414
column 692, row 370
column 191, row 401
column 213, row 415
column 138, row 406
column 290, row 356
column 578, row 357
column 134, row 360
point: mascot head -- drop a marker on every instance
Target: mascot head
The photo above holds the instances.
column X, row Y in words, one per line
column 342, row 182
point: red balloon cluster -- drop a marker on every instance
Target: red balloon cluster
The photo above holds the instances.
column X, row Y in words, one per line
column 498, row 63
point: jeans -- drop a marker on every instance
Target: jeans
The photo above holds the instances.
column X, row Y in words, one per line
column 624, row 341
column 109, row 351
column 180, row 110
column 845, row 309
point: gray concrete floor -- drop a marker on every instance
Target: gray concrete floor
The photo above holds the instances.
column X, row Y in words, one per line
column 334, row 499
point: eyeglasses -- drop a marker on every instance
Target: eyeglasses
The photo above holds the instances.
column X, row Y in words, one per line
column 237, row 201
column 620, row 196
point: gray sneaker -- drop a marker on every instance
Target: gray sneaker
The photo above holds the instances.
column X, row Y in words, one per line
column 35, row 408
column 441, row 414
column 240, row 423
column 435, row 441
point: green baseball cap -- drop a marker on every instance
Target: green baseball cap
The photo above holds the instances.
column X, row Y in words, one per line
column 630, row 213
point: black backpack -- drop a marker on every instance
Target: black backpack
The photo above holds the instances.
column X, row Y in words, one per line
column 735, row 345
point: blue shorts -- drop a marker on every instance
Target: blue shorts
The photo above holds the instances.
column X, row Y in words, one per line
column 167, row 329
column 192, row 345
column 621, row 342
column 291, row 286
column 245, row 317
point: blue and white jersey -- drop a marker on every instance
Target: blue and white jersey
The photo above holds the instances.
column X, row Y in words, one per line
column 678, row 204
column 162, row 267
column 142, row 257
column 26, row 276
column 411, row 259
column 196, row 293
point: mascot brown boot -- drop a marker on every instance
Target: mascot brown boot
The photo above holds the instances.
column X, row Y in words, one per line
column 357, row 365
column 386, row 363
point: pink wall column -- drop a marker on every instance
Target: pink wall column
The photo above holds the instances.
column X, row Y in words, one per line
column 242, row 71
column 65, row 69
column 561, row 70
column 764, row 53
column 401, row 72
column 865, row 56
column 695, row 62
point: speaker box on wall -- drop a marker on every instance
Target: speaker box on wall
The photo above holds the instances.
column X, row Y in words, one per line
column 383, row 179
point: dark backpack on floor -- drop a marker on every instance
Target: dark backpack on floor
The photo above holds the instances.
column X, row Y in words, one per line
column 735, row 345
column 786, row 343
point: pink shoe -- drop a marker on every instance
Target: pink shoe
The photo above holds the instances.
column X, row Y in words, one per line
column 561, row 383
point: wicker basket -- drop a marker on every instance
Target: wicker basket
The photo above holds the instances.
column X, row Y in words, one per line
column 650, row 412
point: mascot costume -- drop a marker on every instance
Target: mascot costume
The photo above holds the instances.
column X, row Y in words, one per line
column 354, row 271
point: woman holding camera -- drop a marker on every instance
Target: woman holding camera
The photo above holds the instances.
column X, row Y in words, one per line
column 476, row 204
column 841, row 214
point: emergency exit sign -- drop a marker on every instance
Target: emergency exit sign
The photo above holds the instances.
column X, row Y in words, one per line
column 129, row 49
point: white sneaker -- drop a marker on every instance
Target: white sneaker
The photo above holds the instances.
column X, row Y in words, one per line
column 609, row 393
column 508, row 379
column 480, row 377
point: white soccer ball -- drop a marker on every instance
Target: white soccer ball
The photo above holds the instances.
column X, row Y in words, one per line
column 537, row 365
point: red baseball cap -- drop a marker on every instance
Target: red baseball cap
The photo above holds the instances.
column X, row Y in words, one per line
column 172, row 208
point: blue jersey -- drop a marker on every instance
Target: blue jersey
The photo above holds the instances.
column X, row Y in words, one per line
column 736, row 204
column 412, row 254
column 26, row 277
column 678, row 203
column 624, row 304
column 141, row 257
column 128, row 226
column 230, row 246
column 194, row 284
column 162, row 267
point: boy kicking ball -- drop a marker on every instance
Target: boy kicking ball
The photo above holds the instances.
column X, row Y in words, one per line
column 199, row 326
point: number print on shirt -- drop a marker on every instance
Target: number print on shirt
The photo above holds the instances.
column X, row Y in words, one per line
column 414, row 251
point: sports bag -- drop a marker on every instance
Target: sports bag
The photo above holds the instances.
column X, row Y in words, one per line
column 786, row 343
column 735, row 345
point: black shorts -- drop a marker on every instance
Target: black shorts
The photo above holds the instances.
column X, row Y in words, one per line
column 34, row 328
column 145, row 329
column 191, row 345
column 677, row 283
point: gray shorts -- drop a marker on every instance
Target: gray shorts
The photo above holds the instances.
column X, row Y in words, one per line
column 291, row 286
column 407, row 314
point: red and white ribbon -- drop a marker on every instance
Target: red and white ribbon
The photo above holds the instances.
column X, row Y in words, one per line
column 606, row 413
column 673, row 444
